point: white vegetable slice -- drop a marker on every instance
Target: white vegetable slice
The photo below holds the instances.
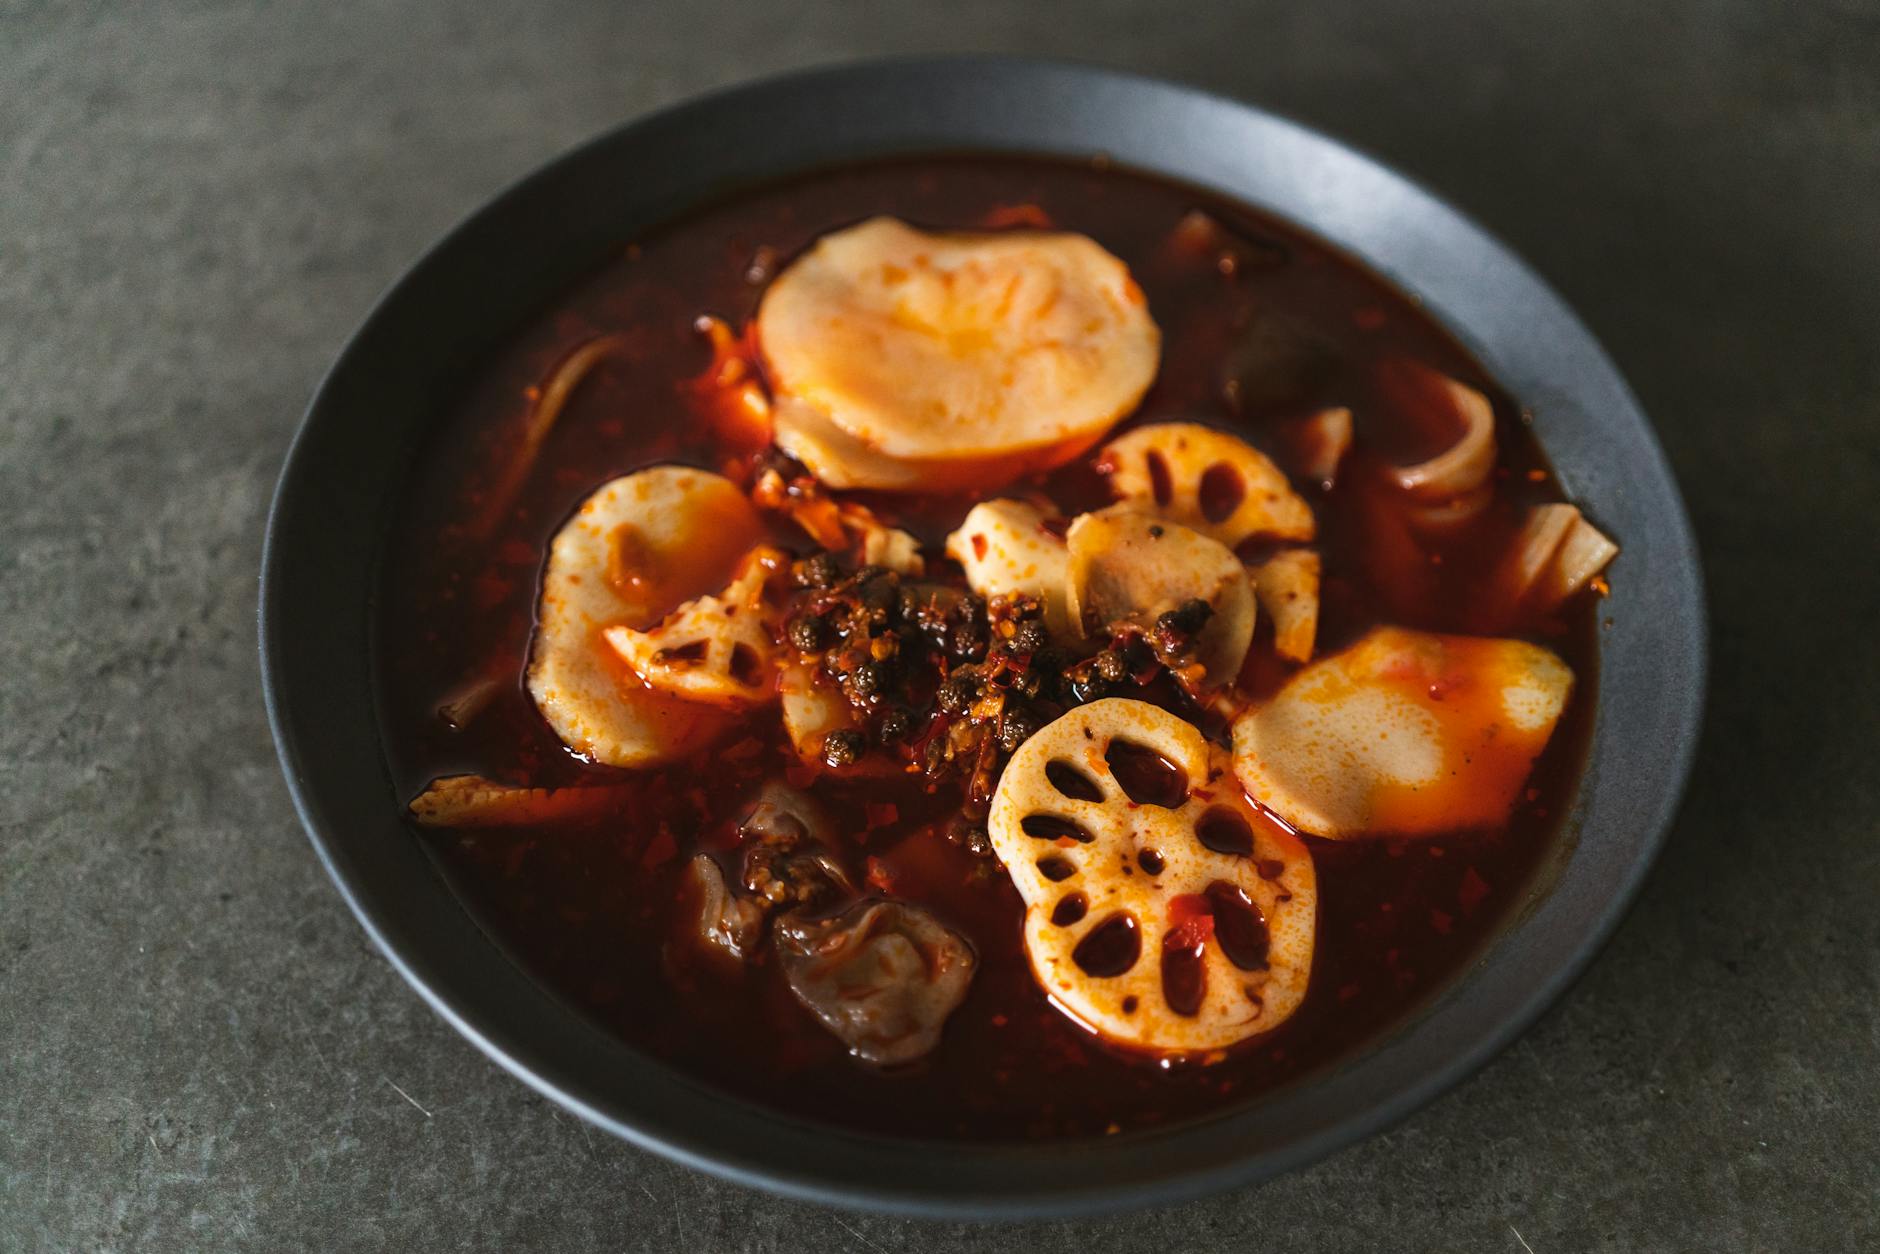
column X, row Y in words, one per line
column 1405, row 733
column 634, row 550
column 1131, row 567
column 812, row 708
column 1555, row 555
column 1221, row 904
column 1207, row 480
column 1287, row 587
column 880, row 544
column 1323, row 440
column 715, row 649
column 1584, row 553
column 1005, row 549
column 840, row 460
column 911, row 354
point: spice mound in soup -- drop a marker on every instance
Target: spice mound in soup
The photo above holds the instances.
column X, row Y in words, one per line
column 988, row 648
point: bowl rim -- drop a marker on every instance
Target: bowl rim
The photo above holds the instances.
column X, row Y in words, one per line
column 570, row 1061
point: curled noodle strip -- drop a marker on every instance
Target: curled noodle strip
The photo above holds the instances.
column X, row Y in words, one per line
column 1465, row 465
column 549, row 400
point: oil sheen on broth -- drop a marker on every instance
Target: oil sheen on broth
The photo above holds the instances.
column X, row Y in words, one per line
column 1264, row 335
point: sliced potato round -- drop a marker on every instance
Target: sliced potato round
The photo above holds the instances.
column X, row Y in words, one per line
column 634, row 550
column 1405, row 733
column 1006, row 549
column 910, row 359
column 1132, row 567
column 1208, row 480
column 715, row 649
column 1179, row 924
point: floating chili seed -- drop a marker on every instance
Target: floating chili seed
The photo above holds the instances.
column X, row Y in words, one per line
column 1187, row 618
column 818, row 570
column 958, row 693
column 971, row 837
column 868, row 679
column 807, row 632
column 1030, row 637
column 1051, row 660
column 967, row 641
column 895, row 724
column 1019, row 725
column 843, row 748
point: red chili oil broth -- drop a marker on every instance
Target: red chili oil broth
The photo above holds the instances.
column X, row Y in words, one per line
column 588, row 907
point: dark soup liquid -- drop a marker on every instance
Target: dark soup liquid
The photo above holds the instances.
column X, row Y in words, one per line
column 1260, row 325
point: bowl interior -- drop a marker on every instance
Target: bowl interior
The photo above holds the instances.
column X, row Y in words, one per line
column 343, row 479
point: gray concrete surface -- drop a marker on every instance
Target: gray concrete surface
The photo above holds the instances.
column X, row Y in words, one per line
column 198, row 1050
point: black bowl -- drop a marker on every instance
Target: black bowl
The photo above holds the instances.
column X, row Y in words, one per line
column 343, row 478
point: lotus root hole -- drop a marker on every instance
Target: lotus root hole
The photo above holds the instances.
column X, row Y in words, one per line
column 1110, row 948
column 746, row 667
column 1159, row 482
column 1056, row 868
column 1225, row 831
column 1054, row 827
column 1184, row 973
column 1145, row 776
column 1070, row 910
column 689, row 653
column 1222, row 491
column 1072, row 782
column 1239, row 928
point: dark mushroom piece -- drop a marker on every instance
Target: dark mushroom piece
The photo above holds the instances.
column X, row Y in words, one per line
column 882, row 976
column 787, row 858
column 724, row 923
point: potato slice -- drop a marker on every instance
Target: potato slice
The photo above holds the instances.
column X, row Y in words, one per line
column 1131, row 567
column 715, row 649
column 634, row 550
column 1287, row 587
column 839, row 460
column 919, row 360
column 1207, row 480
column 1176, row 929
column 1403, row 734
column 1005, row 549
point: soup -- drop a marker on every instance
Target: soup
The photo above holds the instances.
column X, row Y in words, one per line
column 987, row 648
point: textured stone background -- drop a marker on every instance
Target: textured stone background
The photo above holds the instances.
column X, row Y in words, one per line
column 197, row 202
